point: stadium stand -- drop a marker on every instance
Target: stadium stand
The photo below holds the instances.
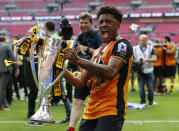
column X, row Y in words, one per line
column 154, row 10
column 115, row 2
column 158, row 2
column 75, row 7
column 3, row 13
column 34, row 5
column 17, row 28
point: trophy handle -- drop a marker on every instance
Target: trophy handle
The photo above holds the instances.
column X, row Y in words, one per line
column 65, row 66
column 32, row 63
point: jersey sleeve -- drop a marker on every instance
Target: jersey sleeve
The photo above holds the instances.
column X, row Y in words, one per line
column 122, row 50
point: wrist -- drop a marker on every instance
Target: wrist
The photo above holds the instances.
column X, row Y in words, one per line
column 87, row 50
column 78, row 60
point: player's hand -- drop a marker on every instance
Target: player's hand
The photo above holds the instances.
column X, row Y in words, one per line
column 16, row 72
column 19, row 63
column 144, row 61
column 71, row 55
column 81, row 47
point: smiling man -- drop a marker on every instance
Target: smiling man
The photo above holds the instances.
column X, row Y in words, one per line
column 107, row 73
column 88, row 40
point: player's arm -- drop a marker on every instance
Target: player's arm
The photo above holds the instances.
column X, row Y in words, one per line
column 78, row 82
column 15, row 66
column 101, row 70
column 153, row 57
column 172, row 50
column 85, row 49
column 115, row 63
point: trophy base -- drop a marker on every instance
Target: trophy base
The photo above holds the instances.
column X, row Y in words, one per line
column 50, row 122
column 43, row 114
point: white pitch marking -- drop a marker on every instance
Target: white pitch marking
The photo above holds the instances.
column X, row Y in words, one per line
column 159, row 121
column 137, row 122
column 13, row 121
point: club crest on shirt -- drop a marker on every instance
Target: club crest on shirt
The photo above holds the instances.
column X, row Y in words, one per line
column 122, row 48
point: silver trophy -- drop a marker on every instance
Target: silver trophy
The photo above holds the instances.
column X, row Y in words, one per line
column 46, row 60
column 49, row 55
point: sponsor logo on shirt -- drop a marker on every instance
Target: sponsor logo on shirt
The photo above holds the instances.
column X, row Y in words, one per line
column 122, row 48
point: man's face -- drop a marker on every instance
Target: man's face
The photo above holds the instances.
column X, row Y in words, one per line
column 143, row 41
column 85, row 25
column 158, row 42
column 14, row 38
column 165, row 40
column 108, row 27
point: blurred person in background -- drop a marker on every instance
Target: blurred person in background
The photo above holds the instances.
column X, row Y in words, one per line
column 134, row 70
column 50, row 30
column 9, row 88
column 20, row 79
column 33, row 89
column 88, row 40
column 144, row 54
column 177, row 60
column 107, row 73
column 133, row 74
column 2, row 35
column 158, row 65
column 7, row 53
column 169, row 63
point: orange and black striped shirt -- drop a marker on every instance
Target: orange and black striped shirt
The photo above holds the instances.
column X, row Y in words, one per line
column 170, row 58
column 159, row 54
column 108, row 97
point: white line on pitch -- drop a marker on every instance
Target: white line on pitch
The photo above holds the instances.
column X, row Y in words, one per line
column 137, row 122
column 159, row 121
column 13, row 121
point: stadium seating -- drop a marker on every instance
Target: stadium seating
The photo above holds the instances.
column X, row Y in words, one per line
column 38, row 8
column 3, row 3
column 166, row 27
column 158, row 2
column 77, row 4
column 20, row 13
column 125, row 10
column 116, row 2
column 3, row 13
column 31, row 4
column 154, row 10
column 19, row 29
column 41, row 13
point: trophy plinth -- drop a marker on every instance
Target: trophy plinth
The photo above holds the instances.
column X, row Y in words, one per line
column 43, row 114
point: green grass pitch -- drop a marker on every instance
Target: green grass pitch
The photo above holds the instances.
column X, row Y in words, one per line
column 161, row 117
